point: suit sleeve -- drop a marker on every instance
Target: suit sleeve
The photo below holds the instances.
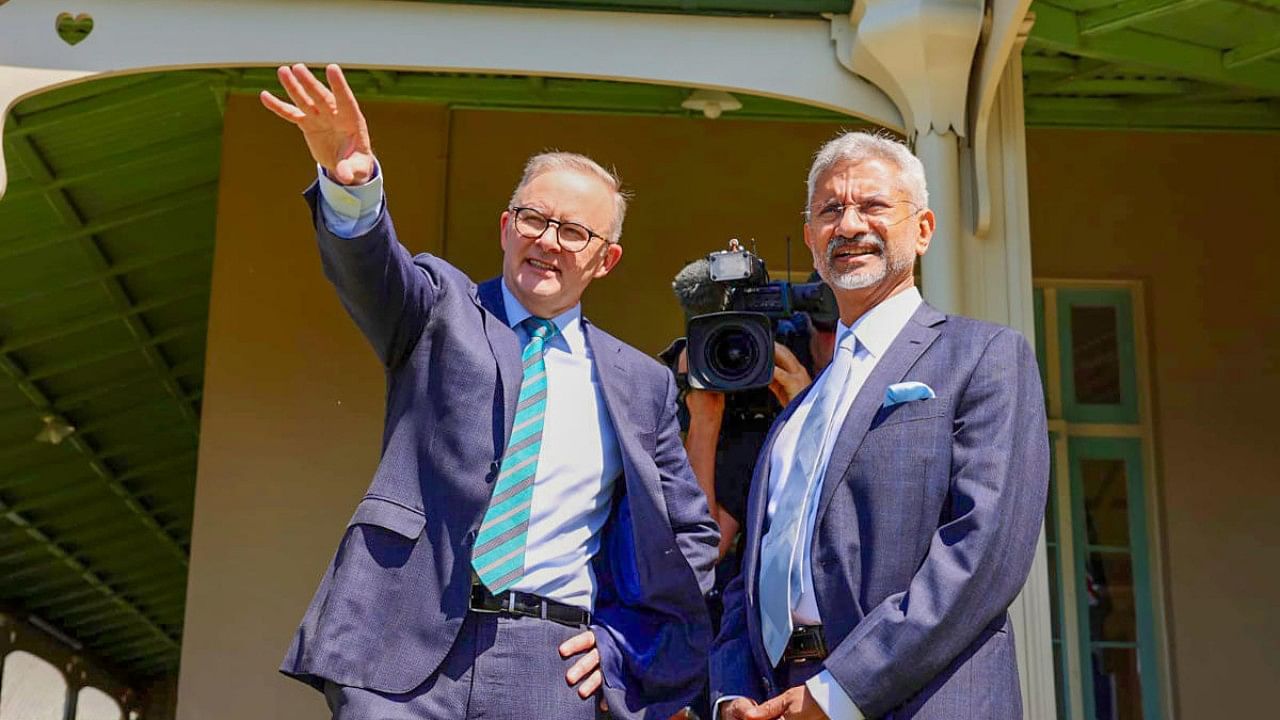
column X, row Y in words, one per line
column 733, row 671
column 653, row 641
column 697, row 535
column 383, row 289
column 978, row 560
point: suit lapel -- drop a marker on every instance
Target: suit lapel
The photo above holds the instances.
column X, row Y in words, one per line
column 916, row 337
column 505, row 347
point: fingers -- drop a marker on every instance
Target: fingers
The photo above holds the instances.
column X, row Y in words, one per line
column 767, row 710
column 784, row 358
column 282, row 109
column 316, row 89
column 297, row 94
column 590, row 685
column 581, row 642
column 342, row 95
column 584, row 666
column 737, row 709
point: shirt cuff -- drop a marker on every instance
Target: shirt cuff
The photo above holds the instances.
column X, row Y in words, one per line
column 350, row 210
column 832, row 698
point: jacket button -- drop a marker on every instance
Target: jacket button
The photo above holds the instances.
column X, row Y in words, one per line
column 469, row 539
column 493, row 469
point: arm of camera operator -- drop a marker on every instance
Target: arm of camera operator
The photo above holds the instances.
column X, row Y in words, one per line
column 706, row 412
column 789, row 376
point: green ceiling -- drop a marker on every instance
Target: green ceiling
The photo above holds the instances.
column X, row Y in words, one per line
column 106, row 239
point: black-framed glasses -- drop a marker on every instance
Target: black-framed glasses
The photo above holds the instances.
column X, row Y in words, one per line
column 573, row 237
column 875, row 211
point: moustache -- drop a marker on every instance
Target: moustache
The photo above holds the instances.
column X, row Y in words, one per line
column 862, row 239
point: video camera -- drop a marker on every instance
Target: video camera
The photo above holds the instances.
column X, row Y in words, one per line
column 732, row 350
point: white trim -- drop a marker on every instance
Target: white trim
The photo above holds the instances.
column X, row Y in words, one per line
column 785, row 59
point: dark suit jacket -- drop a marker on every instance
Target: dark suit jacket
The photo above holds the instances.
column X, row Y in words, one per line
column 393, row 600
column 927, row 523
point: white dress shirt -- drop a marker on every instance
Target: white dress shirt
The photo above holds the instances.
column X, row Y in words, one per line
column 875, row 332
column 580, row 458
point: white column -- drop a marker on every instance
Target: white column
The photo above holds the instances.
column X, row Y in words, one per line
column 942, row 269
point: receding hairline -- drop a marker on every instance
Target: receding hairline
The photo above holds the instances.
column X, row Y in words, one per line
column 855, row 147
column 558, row 161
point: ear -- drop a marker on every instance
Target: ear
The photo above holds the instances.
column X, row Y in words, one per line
column 810, row 240
column 502, row 221
column 925, row 225
column 612, row 256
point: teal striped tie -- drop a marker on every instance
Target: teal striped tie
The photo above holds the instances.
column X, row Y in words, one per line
column 498, row 557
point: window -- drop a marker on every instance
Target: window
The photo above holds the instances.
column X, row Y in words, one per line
column 94, row 704
column 32, row 689
column 1106, row 640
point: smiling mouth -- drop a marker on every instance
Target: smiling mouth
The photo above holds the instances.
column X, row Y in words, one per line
column 848, row 253
column 543, row 266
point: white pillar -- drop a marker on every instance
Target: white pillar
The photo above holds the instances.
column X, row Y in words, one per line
column 942, row 269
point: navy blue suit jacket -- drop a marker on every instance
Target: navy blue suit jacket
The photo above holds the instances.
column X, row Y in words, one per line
column 927, row 523
column 393, row 600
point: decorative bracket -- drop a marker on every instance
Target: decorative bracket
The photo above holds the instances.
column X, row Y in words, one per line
column 1005, row 35
column 919, row 52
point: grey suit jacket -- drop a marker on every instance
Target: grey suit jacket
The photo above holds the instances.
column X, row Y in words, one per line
column 393, row 600
column 927, row 523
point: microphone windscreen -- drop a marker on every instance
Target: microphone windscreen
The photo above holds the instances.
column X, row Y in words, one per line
column 697, row 292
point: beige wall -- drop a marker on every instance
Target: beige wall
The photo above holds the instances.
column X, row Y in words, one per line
column 293, row 398
column 1193, row 217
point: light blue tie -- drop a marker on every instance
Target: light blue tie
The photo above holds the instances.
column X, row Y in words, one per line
column 498, row 557
column 781, row 576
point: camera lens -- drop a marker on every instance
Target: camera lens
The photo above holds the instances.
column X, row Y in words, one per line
column 733, row 352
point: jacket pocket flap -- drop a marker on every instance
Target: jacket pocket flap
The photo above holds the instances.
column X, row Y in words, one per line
column 392, row 516
column 911, row 410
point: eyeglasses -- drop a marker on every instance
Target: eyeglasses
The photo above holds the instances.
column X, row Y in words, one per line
column 885, row 213
column 573, row 237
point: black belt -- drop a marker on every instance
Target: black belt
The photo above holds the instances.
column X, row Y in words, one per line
column 527, row 605
column 806, row 645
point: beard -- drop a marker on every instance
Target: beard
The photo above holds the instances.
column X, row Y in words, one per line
column 867, row 277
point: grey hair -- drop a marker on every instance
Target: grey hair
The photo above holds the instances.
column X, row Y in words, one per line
column 555, row 160
column 856, row 146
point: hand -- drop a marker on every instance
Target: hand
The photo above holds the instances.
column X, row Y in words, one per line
column 587, row 670
column 704, row 406
column 794, row 704
column 331, row 122
column 789, row 376
column 736, row 709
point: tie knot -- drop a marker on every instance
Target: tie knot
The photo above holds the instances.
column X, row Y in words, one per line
column 539, row 328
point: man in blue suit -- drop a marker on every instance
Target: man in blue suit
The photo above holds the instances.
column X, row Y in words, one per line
column 896, row 504
column 533, row 536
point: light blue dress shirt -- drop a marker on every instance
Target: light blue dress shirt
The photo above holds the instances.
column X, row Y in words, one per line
column 580, row 458
column 875, row 332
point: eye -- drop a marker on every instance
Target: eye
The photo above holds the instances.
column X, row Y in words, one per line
column 831, row 210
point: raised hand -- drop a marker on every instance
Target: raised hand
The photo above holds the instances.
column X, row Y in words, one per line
column 330, row 121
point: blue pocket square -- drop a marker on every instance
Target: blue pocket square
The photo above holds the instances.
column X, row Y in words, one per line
column 906, row 392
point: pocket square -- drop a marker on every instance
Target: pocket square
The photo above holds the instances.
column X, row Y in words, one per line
column 906, row 392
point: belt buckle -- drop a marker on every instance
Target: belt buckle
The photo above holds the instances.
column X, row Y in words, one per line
column 478, row 604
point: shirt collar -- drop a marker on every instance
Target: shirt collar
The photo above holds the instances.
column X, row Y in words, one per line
column 879, row 326
column 569, row 322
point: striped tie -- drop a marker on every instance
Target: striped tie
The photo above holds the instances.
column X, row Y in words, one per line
column 498, row 557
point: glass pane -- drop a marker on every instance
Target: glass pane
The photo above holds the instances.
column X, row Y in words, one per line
column 1117, row 690
column 1095, row 355
column 1051, row 502
column 1055, row 592
column 1110, row 588
column 1106, row 501
column 1060, row 683
column 93, row 704
column 33, row 689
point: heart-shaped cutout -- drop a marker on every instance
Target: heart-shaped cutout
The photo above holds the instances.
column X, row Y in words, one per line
column 73, row 28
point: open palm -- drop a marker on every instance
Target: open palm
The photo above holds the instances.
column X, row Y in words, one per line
column 330, row 121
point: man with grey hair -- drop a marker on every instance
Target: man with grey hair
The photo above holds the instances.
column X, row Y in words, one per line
column 896, row 503
column 533, row 538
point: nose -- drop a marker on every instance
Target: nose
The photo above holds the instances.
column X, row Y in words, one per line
column 550, row 240
column 851, row 222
